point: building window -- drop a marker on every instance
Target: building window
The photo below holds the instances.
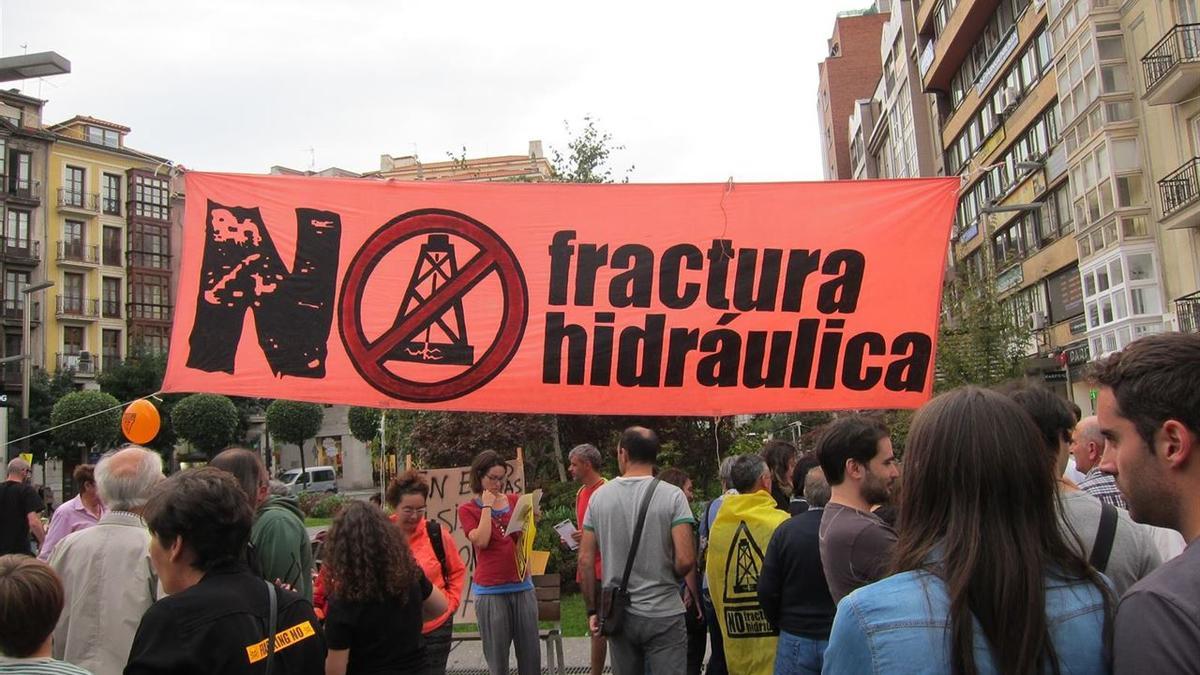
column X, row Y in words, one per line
column 72, row 296
column 21, row 180
column 72, row 340
column 14, row 299
column 150, row 247
column 73, row 239
column 110, row 348
column 151, row 297
column 151, row 197
column 16, row 230
column 112, row 194
column 112, row 297
column 153, row 339
column 112, row 246
column 102, row 136
column 74, row 181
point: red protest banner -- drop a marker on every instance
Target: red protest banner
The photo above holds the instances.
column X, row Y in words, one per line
column 641, row 299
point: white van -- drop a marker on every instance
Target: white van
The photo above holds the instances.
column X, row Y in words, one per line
column 313, row 479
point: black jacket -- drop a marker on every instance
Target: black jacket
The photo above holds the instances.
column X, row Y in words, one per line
column 792, row 586
column 219, row 625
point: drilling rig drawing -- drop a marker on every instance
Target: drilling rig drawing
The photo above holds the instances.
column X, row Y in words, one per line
column 444, row 340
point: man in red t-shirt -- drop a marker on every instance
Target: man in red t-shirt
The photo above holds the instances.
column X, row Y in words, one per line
column 585, row 467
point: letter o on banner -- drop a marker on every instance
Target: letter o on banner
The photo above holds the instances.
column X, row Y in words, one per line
column 140, row 422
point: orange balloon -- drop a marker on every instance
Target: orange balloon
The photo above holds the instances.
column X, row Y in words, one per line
column 140, row 422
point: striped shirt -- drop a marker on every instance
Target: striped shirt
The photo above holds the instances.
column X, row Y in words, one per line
column 40, row 666
column 1103, row 486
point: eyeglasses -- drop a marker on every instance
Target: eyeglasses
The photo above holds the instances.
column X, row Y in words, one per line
column 410, row 512
column 492, row 476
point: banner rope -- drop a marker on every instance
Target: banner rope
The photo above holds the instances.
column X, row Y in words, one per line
column 80, row 419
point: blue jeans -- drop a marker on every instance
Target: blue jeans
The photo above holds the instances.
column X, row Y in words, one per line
column 798, row 655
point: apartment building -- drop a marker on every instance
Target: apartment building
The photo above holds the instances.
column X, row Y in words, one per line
column 109, row 248
column 847, row 75
column 891, row 133
column 991, row 67
column 24, row 149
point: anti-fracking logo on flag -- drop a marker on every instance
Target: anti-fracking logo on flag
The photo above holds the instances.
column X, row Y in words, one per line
column 744, row 616
column 430, row 328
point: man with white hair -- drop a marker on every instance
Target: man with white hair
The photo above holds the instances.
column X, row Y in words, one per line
column 105, row 569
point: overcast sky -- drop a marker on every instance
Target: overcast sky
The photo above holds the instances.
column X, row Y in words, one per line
column 696, row 91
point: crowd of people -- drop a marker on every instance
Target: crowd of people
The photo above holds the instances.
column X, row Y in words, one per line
column 974, row 554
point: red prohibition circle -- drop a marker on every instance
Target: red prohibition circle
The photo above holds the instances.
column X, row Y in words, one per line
column 494, row 257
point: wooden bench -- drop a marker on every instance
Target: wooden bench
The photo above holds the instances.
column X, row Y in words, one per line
column 548, row 589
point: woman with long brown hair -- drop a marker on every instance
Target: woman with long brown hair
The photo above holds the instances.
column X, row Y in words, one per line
column 985, row 579
column 379, row 596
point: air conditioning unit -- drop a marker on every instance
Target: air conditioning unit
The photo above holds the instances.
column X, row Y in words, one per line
column 1038, row 320
column 1009, row 98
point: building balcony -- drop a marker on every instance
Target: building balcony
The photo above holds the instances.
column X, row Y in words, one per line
column 83, row 363
column 110, row 309
column 13, row 310
column 21, row 251
column 1179, row 196
column 26, row 191
column 1187, row 311
column 10, row 376
column 74, row 307
column 78, row 202
column 78, row 253
column 955, row 41
column 1172, row 67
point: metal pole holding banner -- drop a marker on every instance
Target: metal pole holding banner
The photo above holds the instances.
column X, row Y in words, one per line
column 382, row 457
column 26, row 349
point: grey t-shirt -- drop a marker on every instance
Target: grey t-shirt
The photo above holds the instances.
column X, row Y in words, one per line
column 856, row 548
column 1134, row 554
column 1158, row 620
column 612, row 516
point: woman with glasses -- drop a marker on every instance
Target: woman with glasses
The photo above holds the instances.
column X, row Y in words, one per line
column 435, row 552
column 505, row 605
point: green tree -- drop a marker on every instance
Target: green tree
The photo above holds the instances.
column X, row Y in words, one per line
column 588, row 152
column 89, row 420
column 364, row 423
column 453, row 439
column 208, row 422
column 981, row 340
column 294, row 422
column 44, row 390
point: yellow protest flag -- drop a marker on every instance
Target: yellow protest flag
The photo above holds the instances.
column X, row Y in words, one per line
column 737, row 544
column 27, row 456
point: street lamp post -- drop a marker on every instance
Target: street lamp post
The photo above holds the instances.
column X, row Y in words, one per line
column 26, row 347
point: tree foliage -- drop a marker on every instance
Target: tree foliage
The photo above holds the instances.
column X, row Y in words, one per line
column 453, row 439
column 209, row 422
column 588, row 152
column 981, row 341
column 364, row 423
column 294, row 422
column 89, row 419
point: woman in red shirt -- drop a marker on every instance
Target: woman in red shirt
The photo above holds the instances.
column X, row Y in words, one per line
column 505, row 605
column 406, row 495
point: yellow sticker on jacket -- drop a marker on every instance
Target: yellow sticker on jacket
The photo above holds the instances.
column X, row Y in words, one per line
column 283, row 639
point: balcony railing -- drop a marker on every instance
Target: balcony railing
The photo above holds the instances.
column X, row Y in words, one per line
column 112, row 256
column 24, row 188
column 1180, row 188
column 1180, row 45
column 71, row 306
column 21, row 248
column 111, row 309
column 75, row 199
column 76, row 251
column 83, row 363
column 1187, row 310
column 10, row 375
column 13, row 309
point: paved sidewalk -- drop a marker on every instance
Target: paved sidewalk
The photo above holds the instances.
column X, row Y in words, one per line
column 467, row 658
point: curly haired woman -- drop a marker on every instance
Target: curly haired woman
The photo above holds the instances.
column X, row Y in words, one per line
column 379, row 596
